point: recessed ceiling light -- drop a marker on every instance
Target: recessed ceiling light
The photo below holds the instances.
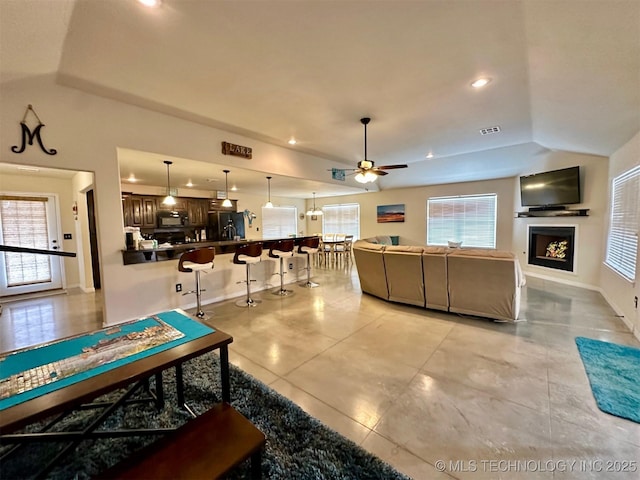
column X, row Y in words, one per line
column 29, row 169
column 293, row 141
column 481, row 82
column 429, row 155
column 189, row 184
column 234, row 189
column 150, row 3
column 132, row 178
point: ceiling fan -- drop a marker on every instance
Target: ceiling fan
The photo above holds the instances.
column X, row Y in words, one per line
column 366, row 171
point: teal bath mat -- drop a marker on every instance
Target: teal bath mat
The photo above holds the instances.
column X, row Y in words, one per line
column 614, row 375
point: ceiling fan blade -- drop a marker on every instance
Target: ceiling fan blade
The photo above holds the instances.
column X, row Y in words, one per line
column 391, row 167
column 378, row 172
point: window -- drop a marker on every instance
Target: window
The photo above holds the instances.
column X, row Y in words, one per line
column 279, row 222
column 624, row 224
column 342, row 219
column 24, row 224
column 468, row 219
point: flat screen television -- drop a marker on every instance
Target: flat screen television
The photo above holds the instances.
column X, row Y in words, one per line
column 551, row 189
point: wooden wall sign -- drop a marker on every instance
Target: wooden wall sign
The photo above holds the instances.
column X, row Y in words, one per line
column 236, row 150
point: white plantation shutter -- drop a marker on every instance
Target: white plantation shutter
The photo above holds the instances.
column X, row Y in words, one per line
column 467, row 219
column 342, row 219
column 624, row 224
column 279, row 222
column 24, row 224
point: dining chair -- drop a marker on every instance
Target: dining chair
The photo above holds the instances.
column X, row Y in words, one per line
column 343, row 250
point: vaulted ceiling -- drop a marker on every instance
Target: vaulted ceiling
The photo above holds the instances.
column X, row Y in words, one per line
column 565, row 74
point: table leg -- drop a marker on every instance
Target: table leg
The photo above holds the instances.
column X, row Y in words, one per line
column 180, row 391
column 159, row 391
column 224, row 374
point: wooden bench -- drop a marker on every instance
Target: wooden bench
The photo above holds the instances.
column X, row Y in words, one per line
column 209, row 446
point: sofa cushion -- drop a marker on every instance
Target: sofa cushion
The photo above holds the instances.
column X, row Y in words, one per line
column 403, row 267
column 370, row 265
column 485, row 283
column 404, row 248
column 434, row 266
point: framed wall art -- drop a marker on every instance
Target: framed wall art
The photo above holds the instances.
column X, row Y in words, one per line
column 390, row 213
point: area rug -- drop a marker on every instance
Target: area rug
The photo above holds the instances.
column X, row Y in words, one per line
column 614, row 375
column 298, row 445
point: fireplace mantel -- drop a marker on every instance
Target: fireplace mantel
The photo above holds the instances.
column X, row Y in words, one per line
column 582, row 212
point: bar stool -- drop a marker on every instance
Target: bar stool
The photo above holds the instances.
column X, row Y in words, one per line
column 281, row 249
column 247, row 255
column 309, row 246
column 197, row 260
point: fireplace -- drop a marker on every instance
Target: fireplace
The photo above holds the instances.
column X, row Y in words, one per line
column 552, row 247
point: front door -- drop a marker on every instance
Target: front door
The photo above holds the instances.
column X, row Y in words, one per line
column 29, row 221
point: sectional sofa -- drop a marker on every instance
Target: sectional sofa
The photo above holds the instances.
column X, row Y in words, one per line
column 484, row 283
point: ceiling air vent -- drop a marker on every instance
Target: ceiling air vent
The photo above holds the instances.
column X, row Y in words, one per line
column 490, row 130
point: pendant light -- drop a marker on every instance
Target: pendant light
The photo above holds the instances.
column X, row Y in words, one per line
column 314, row 210
column 227, row 202
column 168, row 200
column 269, row 204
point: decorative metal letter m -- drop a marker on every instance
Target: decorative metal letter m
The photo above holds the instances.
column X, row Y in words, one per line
column 28, row 135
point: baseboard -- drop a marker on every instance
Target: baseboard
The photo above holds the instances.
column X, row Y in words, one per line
column 562, row 280
column 34, row 295
column 632, row 328
column 87, row 289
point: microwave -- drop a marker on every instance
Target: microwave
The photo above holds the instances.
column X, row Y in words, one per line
column 172, row 219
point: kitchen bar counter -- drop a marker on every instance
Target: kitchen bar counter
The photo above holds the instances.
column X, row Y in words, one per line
column 160, row 254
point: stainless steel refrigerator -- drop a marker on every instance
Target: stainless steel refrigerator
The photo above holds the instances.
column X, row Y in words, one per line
column 225, row 226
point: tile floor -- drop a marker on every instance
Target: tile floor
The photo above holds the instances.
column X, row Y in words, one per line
column 436, row 395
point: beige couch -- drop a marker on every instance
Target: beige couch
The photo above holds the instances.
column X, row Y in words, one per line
column 483, row 283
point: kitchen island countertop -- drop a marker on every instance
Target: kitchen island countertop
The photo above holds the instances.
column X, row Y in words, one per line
column 163, row 253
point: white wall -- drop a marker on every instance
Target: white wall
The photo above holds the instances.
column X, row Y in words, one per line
column 589, row 246
column 620, row 292
column 87, row 131
column 82, row 182
column 413, row 231
column 512, row 231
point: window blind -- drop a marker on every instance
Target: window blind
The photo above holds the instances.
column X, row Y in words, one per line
column 624, row 224
column 342, row 219
column 24, row 224
column 467, row 219
column 279, row 222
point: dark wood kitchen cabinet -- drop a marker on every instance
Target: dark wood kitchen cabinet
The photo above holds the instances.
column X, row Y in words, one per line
column 139, row 211
column 149, row 212
column 197, row 209
column 127, row 213
column 181, row 204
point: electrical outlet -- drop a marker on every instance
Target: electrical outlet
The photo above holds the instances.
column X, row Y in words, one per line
column 178, row 287
column 67, row 236
column 291, row 268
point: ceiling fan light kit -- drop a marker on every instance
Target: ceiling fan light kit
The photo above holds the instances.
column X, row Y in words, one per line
column 367, row 172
